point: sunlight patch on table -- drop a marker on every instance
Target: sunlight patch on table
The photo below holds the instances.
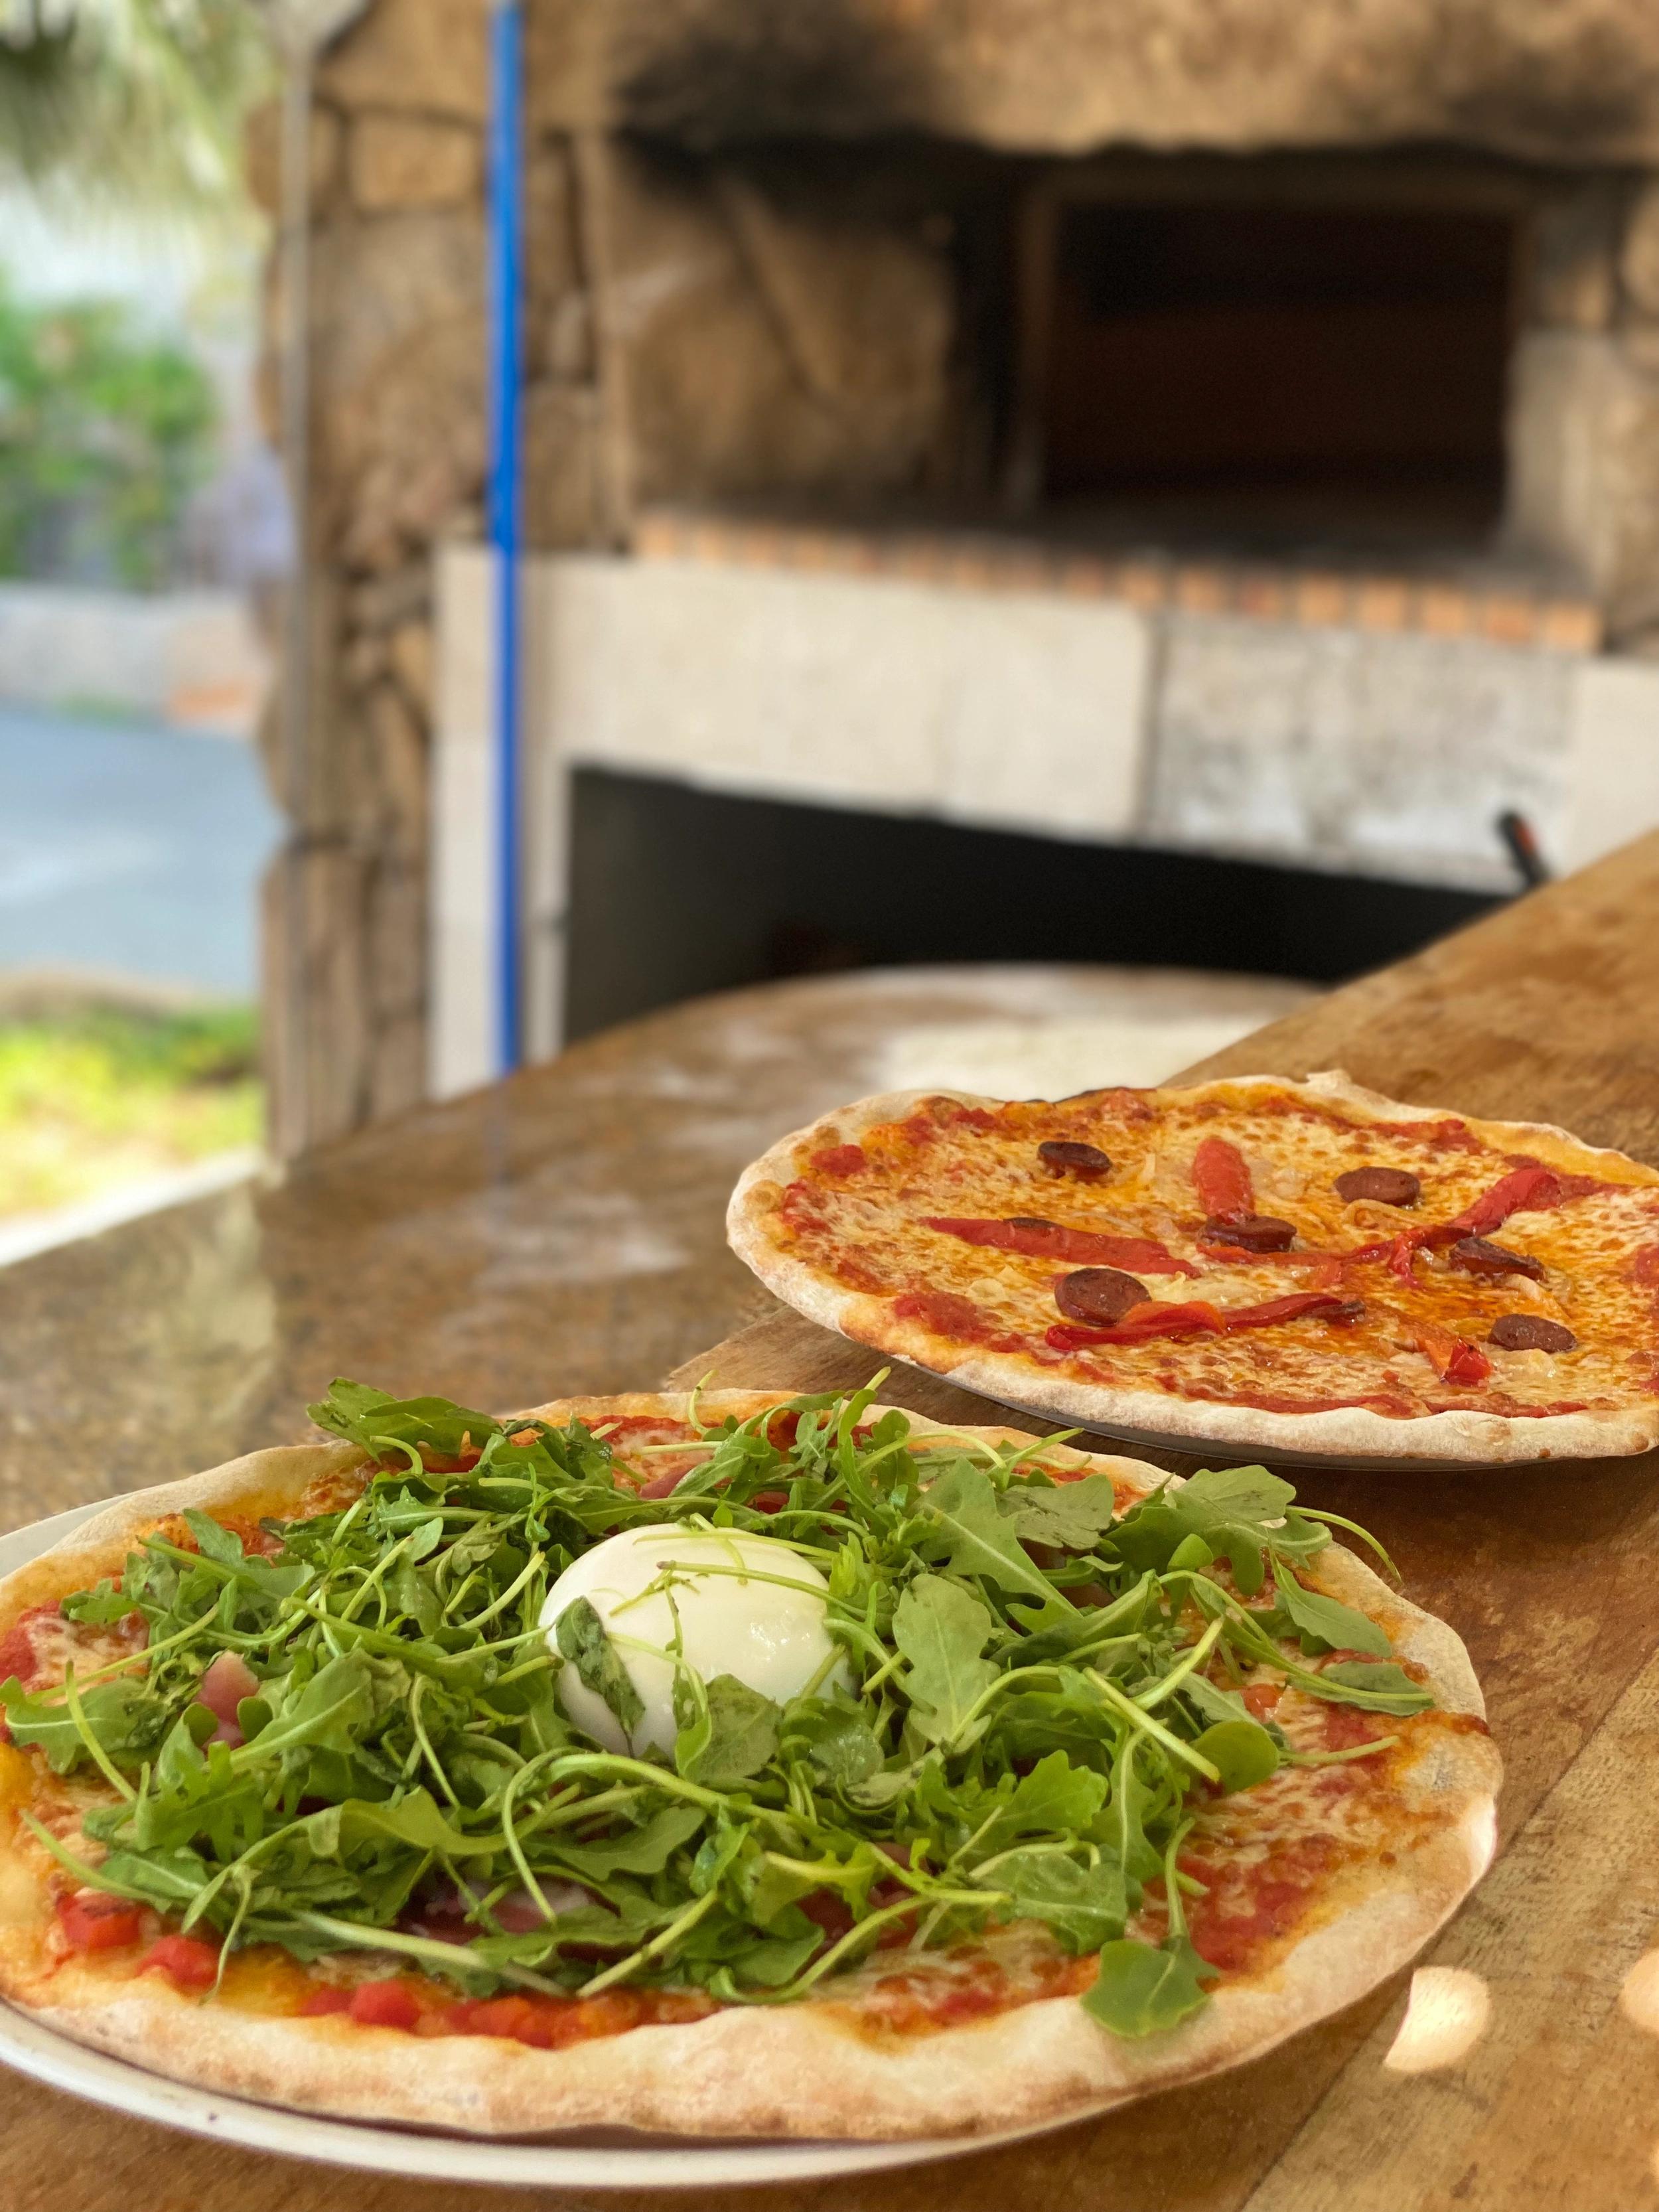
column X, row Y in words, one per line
column 1638, row 2000
column 1446, row 2016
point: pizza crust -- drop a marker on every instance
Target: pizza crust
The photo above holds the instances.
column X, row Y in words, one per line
column 799, row 2070
column 1485, row 1439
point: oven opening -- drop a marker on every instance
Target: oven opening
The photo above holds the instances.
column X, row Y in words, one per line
column 675, row 891
column 1257, row 369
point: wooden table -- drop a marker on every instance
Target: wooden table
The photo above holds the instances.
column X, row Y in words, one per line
column 1548, row 1010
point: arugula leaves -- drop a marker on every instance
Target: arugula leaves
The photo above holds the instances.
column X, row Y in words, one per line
column 941, row 1628
column 975, row 1538
column 1241, row 1513
column 1323, row 1624
column 369, row 1418
column 583, row 1640
column 1384, row 1687
column 123, row 1717
column 1085, row 1905
column 1030, row 1713
column 1071, row 1517
column 727, row 1731
column 1142, row 1992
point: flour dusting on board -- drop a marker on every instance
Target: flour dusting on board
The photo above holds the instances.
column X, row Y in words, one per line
column 1051, row 1060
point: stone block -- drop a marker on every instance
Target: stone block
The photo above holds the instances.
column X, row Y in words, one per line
column 1585, row 469
column 315, row 908
column 399, row 378
column 767, row 351
column 564, row 340
column 1638, row 263
column 1575, row 260
column 396, row 942
column 567, row 63
column 389, row 601
column 328, row 765
column 1639, row 344
column 363, row 660
column 551, row 253
column 410, row 657
column 398, row 751
column 1378, row 754
column 399, row 162
column 561, row 485
column 262, row 156
column 397, row 1075
column 1575, row 81
column 429, row 55
column 380, row 284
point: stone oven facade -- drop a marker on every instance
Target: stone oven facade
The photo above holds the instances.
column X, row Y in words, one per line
column 1323, row 344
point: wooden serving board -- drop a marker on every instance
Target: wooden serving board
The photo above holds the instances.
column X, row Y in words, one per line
column 1548, row 1011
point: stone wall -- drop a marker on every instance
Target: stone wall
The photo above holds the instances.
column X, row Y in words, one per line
column 1575, row 81
column 743, row 344
column 397, row 457
column 1584, row 421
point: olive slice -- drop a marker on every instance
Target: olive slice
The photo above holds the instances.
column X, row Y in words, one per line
column 1254, row 1232
column 1099, row 1295
column 1387, row 1186
column 1068, row 1156
column 1476, row 1256
column 1530, row 1333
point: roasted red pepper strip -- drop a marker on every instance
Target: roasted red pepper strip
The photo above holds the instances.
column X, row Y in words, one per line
column 1453, row 1359
column 1153, row 1319
column 1079, row 1247
column 1221, row 1179
column 1526, row 1190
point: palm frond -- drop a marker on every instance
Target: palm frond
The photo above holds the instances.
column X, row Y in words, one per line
column 131, row 100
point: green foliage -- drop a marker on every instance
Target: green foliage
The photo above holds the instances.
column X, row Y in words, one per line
column 101, row 1097
column 1018, row 1742
column 138, row 101
column 104, row 434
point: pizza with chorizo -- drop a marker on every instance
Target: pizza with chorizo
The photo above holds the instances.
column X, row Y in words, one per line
column 754, row 1767
column 1255, row 1261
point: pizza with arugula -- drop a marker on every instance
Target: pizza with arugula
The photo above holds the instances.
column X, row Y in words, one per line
column 1305, row 1265
column 749, row 1766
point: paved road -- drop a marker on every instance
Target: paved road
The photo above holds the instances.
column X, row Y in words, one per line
column 131, row 847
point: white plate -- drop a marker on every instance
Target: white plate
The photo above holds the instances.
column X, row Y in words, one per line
column 620, row 2162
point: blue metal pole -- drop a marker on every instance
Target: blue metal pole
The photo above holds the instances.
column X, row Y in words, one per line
column 506, row 374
